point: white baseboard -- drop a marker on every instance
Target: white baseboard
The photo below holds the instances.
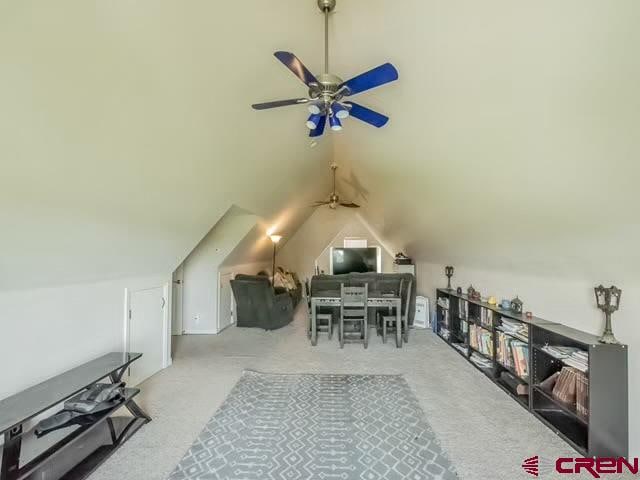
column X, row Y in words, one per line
column 200, row 332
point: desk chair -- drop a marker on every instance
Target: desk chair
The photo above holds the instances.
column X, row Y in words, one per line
column 353, row 312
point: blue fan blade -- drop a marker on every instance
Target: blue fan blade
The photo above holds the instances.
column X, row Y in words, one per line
column 319, row 130
column 373, row 78
column 296, row 66
column 369, row 116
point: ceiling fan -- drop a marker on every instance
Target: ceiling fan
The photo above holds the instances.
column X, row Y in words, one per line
column 334, row 199
column 327, row 91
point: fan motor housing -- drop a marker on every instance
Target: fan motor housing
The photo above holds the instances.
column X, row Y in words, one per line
column 329, row 82
column 327, row 5
column 327, row 87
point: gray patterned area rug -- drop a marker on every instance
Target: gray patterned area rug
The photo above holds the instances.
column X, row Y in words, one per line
column 339, row 427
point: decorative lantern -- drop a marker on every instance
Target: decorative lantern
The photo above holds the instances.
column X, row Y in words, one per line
column 448, row 271
column 471, row 292
column 516, row 305
column 608, row 300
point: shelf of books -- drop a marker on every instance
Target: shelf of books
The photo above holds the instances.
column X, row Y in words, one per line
column 564, row 377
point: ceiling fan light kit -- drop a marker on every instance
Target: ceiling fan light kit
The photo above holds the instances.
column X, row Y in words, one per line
column 314, row 121
column 327, row 91
column 336, row 124
column 339, row 111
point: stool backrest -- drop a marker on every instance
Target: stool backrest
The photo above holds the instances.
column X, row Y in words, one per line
column 354, row 297
column 307, row 291
column 407, row 301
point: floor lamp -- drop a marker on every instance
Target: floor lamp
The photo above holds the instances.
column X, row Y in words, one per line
column 275, row 239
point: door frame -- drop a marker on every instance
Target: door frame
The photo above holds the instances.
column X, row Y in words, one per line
column 233, row 309
column 166, row 320
column 177, row 318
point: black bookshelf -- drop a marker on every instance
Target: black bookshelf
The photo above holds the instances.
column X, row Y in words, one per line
column 604, row 431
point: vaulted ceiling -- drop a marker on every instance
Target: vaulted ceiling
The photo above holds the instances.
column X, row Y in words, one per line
column 514, row 141
column 126, row 132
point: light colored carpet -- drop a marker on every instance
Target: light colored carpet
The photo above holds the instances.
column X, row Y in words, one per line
column 292, row 426
column 486, row 434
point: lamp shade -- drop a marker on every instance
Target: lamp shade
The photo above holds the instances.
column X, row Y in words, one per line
column 314, row 121
column 275, row 238
column 336, row 125
column 314, row 108
column 340, row 111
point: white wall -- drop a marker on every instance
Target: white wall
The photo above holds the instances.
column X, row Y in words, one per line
column 561, row 300
column 122, row 149
column 200, row 270
column 50, row 330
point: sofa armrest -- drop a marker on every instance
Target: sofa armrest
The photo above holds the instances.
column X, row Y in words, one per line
column 281, row 311
column 283, row 302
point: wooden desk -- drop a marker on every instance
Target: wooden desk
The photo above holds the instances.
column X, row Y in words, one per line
column 373, row 302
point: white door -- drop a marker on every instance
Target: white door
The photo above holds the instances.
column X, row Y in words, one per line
column 146, row 332
column 176, row 304
column 225, row 305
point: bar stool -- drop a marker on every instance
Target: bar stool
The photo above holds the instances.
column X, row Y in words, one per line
column 324, row 321
column 389, row 321
column 353, row 311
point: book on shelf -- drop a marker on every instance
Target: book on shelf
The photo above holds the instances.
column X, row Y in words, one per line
column 582, row 394
column 480, row 361
column 463, row 326
column 463, row 308
column 486, row 317
column 461, row 347
column 571, row 356
column 445, row 333
column 515, row 328
column 558, row 351
column 581, row 365
column 572, row 389
column 513, row 353
column 443, row 302
column 446, row 318
column 481, row 340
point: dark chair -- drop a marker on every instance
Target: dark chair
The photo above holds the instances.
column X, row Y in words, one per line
column 257, row 306
column 389, row 321
column 353, row 312
column 324, row 321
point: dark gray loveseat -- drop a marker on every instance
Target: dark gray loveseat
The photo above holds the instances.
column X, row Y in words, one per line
column 258, row 306
column 379, row 283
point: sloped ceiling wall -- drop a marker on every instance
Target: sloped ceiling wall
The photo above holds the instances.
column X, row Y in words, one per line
column 514, row 134
column 126, row 131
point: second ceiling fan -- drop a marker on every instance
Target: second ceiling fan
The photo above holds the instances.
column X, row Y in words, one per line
column 334, row 199
column 327, row 91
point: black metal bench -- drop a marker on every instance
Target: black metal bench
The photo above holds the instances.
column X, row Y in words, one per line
column 72, row 452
